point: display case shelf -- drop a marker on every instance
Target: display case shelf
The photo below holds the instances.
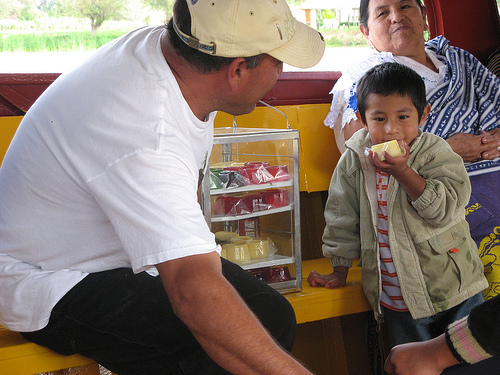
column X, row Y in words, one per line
column 269, row 211
column 241, row 189
column 273, row 260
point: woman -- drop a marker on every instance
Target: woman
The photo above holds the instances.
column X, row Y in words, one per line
column 463, row 94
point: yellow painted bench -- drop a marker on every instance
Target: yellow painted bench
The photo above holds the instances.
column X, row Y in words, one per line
column 317, row 303
column 21, row 357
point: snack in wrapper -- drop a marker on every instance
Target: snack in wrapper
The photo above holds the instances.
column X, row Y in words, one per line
column 391, row 147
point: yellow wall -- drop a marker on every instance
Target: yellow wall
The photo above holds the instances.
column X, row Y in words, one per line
column 8, row 126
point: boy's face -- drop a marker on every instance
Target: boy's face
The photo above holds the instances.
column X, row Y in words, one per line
column 392, row 117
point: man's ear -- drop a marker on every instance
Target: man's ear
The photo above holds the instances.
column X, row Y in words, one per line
column 237, row 73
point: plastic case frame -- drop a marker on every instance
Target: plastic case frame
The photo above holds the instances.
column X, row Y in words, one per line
column 250, row 199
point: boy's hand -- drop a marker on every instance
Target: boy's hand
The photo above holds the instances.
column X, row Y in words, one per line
column 410, row 181
column 335, row 279
column 391, row 165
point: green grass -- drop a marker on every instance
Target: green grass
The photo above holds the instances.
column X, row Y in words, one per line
column 56, row 41
column 62, row 41
column 344, row 37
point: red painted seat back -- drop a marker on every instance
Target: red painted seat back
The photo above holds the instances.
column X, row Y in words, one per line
column 473, row 25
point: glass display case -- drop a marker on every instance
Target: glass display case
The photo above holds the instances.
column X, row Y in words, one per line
column 250, row 198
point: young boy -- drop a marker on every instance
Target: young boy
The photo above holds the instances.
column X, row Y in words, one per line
column 404, row 216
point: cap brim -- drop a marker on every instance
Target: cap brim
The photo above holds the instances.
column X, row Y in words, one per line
column 304, row 50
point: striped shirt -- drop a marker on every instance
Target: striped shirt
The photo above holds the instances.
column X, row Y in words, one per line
column 467, row 102
column 391, row 291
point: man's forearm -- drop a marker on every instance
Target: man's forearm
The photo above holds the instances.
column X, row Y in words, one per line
column 222, row 323
column 237, row 340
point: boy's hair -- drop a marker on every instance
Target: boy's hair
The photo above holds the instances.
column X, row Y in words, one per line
column 391, row 78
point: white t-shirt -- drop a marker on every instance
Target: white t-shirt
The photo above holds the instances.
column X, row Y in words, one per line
column 102, row 173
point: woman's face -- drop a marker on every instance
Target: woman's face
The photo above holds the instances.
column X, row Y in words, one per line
column 395, row 26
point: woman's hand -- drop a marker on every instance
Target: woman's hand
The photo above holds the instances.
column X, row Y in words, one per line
column 491, row 140
column 471, row 148
column 332, row 280
column 420, row 358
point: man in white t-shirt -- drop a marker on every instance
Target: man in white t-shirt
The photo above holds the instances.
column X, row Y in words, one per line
column 104, row 250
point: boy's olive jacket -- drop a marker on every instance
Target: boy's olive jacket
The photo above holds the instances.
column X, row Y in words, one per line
column 436, row 259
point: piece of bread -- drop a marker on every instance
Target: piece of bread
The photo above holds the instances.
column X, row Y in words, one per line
column 391, row 147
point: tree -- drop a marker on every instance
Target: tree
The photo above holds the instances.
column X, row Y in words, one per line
column 20, row 9
column 163, row 5
column 48, row 7
column 97, row 11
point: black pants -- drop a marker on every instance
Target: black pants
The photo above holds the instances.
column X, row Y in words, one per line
column 125, row 322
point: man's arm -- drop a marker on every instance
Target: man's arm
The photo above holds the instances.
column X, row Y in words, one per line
column 220, row 320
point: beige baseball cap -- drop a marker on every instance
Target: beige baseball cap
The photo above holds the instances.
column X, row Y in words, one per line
column 242, row 28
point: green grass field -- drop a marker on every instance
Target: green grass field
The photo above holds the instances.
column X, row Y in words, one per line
column 347, row 37
column 63, row 41
column 56, row 41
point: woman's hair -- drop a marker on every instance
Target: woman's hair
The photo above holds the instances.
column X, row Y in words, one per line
column 388, row 79
column 363, row 10
column 202, row 61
